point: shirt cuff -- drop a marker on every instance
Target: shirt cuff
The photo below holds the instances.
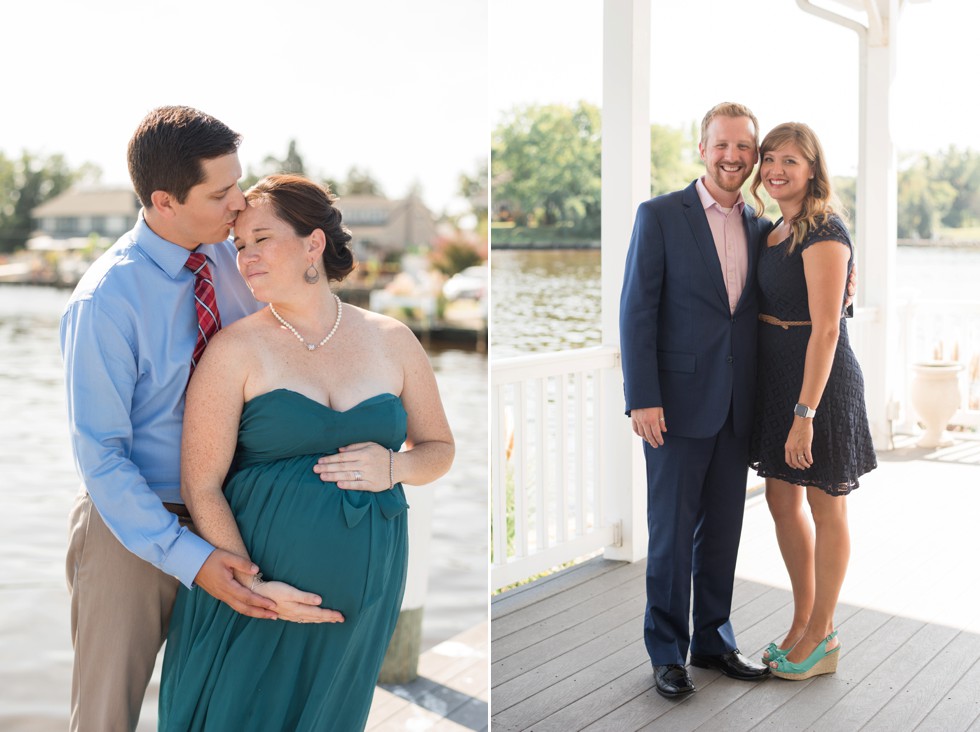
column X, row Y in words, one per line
column 187, row 556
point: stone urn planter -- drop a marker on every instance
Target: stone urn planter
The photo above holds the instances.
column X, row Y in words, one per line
column 935, row 395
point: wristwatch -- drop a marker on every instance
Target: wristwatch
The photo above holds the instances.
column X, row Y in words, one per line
column 802, row 410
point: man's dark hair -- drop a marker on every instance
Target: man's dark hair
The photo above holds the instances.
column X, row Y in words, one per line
column 166, row 151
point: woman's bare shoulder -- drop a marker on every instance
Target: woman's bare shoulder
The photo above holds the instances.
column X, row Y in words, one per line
column 237, row 340
column 376, row 324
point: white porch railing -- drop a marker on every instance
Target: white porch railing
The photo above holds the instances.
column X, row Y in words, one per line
column 550, row 502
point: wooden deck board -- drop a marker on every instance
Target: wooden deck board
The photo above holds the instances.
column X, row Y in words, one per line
column 588, row 590
column 959, row 707
column 520, row 597
column 929, row 684
column 595, row 675
column 583, row 613
column 568, row 653
column 451, row 694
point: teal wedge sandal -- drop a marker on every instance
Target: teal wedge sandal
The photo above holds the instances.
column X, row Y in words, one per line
column 774, row 653
column 821, row 661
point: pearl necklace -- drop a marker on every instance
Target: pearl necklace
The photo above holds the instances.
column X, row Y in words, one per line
column 311, row 346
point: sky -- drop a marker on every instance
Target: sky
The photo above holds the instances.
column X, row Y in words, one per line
column 399, row 89
column 784, row 63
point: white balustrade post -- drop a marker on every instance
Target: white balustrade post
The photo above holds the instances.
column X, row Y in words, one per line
column 625, row 184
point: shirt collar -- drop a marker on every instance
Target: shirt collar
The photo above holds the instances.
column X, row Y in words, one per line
column 168, row 256
column 707, row 200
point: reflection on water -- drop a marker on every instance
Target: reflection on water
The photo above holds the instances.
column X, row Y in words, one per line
column 38, row 481
column 544, row 301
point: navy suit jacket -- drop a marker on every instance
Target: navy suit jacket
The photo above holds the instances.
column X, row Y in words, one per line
column 682, row 347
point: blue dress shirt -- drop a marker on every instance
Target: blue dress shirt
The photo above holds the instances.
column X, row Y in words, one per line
column 127, row 336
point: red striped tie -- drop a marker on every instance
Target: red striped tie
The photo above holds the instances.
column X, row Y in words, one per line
column 208, row 317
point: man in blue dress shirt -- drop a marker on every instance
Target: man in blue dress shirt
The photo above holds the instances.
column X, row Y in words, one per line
column 127, row 336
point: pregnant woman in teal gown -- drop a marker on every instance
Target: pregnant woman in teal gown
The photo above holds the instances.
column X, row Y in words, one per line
column 292, row 458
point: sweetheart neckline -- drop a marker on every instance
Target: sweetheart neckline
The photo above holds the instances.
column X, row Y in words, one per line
column 363, row 402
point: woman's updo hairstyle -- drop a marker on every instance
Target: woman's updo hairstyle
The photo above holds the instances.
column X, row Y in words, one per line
column 307, row 206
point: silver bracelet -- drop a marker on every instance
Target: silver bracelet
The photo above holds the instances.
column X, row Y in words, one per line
column 391, row 468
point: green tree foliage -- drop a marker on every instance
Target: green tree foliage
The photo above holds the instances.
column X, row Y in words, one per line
column 546, row 162
column 924, row 198
column 360, row 182
column 455, row 253
column 674, row 159
column 292, row 163
column 961, row 169
column 845, row 186
column 27, row 182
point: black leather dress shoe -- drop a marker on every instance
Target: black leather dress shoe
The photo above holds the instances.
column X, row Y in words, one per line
column 732, row 664
column 673, row 681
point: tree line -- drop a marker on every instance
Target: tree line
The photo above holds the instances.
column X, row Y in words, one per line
column 546, row 161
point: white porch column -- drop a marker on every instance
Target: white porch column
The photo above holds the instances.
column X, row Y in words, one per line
column 877, row 195
column 625, row 183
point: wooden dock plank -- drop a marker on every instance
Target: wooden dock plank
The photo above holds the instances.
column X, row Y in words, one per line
column 910, row 629
column 957, row 709
column 451, row 693
column 751, row 709
column 585, row 613
column 931, row 682
column 553, row 603
column 518, row 598
column 520, row 687
column 857, row 663
column 882, row 684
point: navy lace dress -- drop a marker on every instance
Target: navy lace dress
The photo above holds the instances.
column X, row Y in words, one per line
column 842, row 448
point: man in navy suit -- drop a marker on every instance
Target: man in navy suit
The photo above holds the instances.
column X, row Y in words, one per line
column 688, row 319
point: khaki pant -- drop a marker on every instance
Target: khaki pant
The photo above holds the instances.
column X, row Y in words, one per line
column 120, row 612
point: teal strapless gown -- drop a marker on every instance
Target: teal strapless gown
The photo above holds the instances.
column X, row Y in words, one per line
column 226, row 671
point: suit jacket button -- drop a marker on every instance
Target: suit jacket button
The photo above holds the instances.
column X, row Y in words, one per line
column 731, row 359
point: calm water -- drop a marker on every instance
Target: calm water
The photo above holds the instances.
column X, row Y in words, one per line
column 38, row 482
column 546, row 301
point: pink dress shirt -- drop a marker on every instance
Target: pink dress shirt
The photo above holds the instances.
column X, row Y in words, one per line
column 728, row 231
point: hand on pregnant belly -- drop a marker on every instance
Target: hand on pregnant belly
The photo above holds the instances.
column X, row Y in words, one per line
column 363, row 466
column 295, row 605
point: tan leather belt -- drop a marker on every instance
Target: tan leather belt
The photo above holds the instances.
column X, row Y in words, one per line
column 784, row 324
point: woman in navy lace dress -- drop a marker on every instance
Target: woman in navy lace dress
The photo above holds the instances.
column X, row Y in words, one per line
column 811, row 438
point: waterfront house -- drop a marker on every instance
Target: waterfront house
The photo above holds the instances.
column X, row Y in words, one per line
column 78, row 213
column 384, row 228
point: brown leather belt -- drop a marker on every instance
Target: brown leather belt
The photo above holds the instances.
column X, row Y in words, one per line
column 784, row 324
column 178, row 509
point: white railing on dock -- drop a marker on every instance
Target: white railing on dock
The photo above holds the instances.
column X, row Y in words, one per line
column 548, row 503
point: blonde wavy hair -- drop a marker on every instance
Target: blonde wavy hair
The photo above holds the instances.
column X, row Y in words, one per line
column 820, row 200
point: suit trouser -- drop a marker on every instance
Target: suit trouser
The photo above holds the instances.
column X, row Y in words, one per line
column 695, row 503
column 120, row 612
